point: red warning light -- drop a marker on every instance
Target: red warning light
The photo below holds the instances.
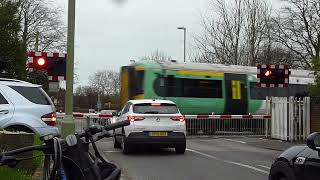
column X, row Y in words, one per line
column 41, row 62
column 268, row 73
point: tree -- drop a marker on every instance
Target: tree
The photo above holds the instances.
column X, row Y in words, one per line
column 257, row 18
column 157, row 55
column 12, row 59
column 106, row 82
column 85, row 97
column 234, row 32
column 39, row 77
column 297, row 27
column 315, row 87
column 221, row 42
column 42, row 17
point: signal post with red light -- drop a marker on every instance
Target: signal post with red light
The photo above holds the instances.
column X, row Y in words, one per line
column 53, row 63
column 271, row 76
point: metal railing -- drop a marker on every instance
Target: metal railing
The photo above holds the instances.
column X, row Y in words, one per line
column 83, row 121
column 241, row 125
column 290, row 118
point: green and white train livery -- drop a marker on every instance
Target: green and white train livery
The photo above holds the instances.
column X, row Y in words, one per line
column 200, row 88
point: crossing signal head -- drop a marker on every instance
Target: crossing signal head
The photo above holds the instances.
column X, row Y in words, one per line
column 273, row 75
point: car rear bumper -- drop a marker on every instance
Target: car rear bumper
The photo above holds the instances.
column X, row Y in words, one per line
column 141, row 138
column 43, row 131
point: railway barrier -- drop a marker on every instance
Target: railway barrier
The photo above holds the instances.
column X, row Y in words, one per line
column 289, row 121
column 197, row 125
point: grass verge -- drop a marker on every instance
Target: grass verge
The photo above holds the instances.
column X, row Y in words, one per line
column 18, row 174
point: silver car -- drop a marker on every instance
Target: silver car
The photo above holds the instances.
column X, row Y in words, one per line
column 26, row 107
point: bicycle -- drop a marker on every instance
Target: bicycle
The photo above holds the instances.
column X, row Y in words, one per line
column 70, row 158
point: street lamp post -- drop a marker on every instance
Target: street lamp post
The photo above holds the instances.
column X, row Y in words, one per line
column 184, row 42
column 68, row 125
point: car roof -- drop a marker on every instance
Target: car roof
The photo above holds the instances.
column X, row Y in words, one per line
column 15, row 82
column 150, row 101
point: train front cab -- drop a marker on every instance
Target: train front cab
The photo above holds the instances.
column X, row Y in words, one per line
column 132, row 83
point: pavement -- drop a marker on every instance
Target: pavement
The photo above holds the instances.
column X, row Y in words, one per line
column 225, row 158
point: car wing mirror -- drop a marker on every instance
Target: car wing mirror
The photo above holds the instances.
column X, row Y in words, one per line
column 313, row 141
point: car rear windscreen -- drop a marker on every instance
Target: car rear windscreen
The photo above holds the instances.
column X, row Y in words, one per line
column 33, row 94
column 155, row 108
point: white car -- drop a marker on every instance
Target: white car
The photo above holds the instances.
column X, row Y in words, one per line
column 153, row 122
column 26, row 107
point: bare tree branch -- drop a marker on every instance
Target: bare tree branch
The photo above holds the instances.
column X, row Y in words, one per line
column 43, row 17
column 157, row 55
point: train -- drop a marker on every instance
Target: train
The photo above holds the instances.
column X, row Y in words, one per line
column 203, row 88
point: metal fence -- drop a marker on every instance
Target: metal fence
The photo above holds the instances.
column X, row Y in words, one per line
column 83, row 121
column 243, row 125
column 290, row 118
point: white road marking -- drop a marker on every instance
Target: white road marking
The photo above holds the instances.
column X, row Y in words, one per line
column 265, row 167
column 242, row 142
column 207, row 155
column 111, row 151
column 247, row 166
column 230, row 162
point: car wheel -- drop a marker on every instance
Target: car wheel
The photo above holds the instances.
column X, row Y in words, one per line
column 125, row 148
column 116, row 144
column 281, row 171
column 180, row 149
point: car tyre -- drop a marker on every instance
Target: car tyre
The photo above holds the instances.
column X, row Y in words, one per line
column 281, row 171
column 125, row 148
column 180, row 149
column 116, row 144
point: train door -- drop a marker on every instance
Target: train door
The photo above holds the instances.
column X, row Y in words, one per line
column 236, row 94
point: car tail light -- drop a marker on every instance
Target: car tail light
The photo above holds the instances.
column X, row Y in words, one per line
column 135, row 118
column 50, row 119
column 178, row 118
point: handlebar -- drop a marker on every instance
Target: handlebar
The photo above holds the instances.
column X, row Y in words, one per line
column 117, row 125
column 94, row 129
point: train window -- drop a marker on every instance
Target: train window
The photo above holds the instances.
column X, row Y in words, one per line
column 171, row 86
column 139, row 82
column 202, row 88
column 180, row 87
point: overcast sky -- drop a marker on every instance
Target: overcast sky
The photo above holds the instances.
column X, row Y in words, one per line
column 109, row 34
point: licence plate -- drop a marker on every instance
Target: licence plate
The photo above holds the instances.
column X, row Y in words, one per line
column 161, row 134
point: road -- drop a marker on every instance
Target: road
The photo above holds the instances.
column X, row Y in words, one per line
column 205, row 159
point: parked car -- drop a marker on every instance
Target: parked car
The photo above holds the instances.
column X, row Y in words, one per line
column 153, row 122
column 26, row 107
column 298, row 162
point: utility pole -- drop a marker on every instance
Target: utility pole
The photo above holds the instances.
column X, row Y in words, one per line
column 184, row 41
column 37, row 42
column 68, row 125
